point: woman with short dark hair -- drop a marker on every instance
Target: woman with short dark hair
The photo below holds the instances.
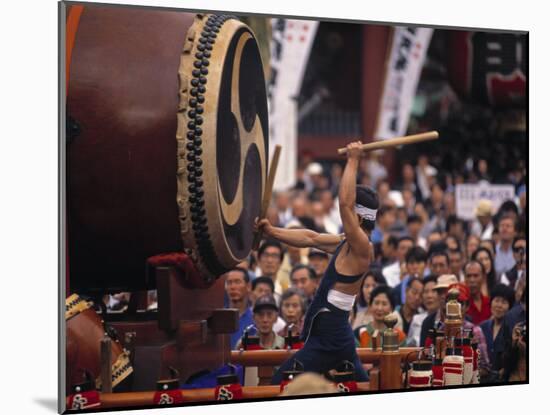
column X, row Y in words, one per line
column 502, row 300
column 293, row 309
column 382, row 303
column 360, row 312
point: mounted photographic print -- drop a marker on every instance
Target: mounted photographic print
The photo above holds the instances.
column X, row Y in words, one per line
column 264, row 208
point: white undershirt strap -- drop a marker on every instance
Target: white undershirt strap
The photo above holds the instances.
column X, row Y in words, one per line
column 341, row 300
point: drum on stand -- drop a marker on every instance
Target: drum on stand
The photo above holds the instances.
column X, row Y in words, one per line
column 85, row 329
column 167, row 144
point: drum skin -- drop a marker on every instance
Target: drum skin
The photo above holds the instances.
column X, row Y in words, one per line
column 141, row 180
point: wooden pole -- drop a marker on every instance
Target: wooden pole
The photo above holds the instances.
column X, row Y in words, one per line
column 394, row 142
column 277, row 357
column 390, row 371
column 267, row 193
column 106, row 365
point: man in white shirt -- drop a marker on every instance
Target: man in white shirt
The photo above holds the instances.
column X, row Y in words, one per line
column 517, row 276
column 393, row 272
column 284, row 212
column 270, row 258
column 430, row 303
column 482, row 227
column 504, row 257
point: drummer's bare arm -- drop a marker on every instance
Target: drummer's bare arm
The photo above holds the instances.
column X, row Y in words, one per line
column 301, row 238
column 355, row 236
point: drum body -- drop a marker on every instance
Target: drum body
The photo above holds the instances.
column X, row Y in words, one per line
column 84, row 333
column 166, row 144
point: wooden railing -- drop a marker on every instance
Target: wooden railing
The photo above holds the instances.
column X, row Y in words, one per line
column 385, row 374
column 129, row 399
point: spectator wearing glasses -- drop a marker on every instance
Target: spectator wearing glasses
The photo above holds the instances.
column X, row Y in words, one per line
column 517, row 276
column 237, row 288
column 412, row 303
column 504, row 257
column 430, row 303
column 270, row 258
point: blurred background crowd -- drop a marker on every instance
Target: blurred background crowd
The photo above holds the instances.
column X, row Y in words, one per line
column 418, row 238
column 471, row 89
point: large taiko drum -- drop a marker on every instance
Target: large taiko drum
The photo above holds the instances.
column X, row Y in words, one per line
column 167, row 143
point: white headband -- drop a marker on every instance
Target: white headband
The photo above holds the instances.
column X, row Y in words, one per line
column 365, row 212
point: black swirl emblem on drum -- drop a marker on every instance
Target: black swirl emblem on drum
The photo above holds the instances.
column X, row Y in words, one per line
column 242, row 141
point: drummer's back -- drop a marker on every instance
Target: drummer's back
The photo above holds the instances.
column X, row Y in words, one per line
column 341, row 274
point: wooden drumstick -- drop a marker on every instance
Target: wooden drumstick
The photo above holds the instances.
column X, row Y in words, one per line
column 267, row 193
column 393, row 142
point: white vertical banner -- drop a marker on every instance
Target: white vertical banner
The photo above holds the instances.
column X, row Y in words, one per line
column 290, row 47
column 403, row 68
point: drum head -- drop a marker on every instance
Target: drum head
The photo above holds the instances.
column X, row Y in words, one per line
column 222, row 142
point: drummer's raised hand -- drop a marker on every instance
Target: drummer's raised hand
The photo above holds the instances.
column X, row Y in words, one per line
column 354, row 150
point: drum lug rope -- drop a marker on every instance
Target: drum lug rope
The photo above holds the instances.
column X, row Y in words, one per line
column 190, row 117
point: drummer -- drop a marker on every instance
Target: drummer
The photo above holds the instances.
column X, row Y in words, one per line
column 327, row 333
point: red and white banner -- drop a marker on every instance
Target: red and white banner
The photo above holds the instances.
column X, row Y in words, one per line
column 403, row 68
column 290, row 47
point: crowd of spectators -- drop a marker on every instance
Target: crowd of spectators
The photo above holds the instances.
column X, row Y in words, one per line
column 422, row 248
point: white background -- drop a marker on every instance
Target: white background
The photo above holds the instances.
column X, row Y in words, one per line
column 28, row 219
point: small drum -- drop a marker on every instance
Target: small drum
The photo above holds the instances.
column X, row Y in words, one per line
column 167, row 144
column 84, row 333
column 420, row 375
column 453, row 367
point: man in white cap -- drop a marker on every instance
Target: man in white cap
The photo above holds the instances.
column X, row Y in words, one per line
column 314, row 172
column 437, row 317
column 483, row 225
column 436, row 320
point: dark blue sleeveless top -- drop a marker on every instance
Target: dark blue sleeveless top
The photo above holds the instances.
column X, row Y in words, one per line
column 327, row 282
